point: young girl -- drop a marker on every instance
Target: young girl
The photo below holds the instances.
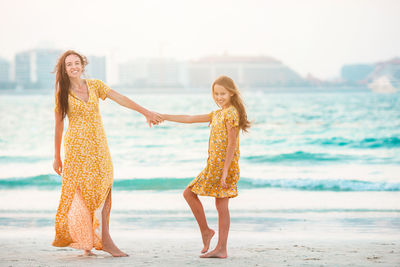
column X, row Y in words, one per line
column 221, row 174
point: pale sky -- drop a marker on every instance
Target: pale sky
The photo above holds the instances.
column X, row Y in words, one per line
column 310, row 36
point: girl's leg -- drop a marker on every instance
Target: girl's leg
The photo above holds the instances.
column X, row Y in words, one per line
column 223, row 224
column 108, row 244
column 198, row 212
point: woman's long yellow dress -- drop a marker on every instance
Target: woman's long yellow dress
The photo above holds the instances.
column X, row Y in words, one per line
column 208, row 182
column 87, row 175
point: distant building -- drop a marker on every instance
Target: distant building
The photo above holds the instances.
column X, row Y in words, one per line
column 24, row 69
column 151, row 72
column 133, row 73
column 5, row 81
column 33, row 68
column 252, row 72
column 356, row 72
column 4, row 71
column 96, row 68
column 249, row 72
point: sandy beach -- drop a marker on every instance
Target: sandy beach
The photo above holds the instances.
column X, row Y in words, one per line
column 161, row 248
column 169, row 236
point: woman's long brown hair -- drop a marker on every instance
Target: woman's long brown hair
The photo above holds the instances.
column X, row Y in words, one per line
column 236, row 100
column 63, row 82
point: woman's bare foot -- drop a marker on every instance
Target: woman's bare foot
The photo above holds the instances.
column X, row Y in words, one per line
column 207, row 236
column 88, row 253
column 216, row 253
column 114, row 251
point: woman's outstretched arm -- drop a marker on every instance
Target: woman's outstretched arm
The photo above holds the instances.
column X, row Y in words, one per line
column 151, row 117
column 186, row 118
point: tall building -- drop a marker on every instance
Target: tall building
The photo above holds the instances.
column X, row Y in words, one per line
column 163, row 73
column 249, row 72
column 133, row 73
column 34, row 68
column 5, row 81
column 4, row 71
column 96, row 68
column 24, row 69
column 151, row 72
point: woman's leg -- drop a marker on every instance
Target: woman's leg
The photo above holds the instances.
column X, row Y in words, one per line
column 108, row 244
column 223, row 224
column 198, row 212
column 80, row 224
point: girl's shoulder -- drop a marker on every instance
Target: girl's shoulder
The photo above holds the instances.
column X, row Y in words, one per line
column 217, row 111
column 231, row 110
column 231, row 116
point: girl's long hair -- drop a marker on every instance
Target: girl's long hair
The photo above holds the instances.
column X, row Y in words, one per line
column 63, row 82
column 236, row 100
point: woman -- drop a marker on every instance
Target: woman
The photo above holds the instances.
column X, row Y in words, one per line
column 82, row 219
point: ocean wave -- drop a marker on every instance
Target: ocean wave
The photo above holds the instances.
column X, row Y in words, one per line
column 23, row 159
column 321, row 185
column 52, row 182
column 295, row 157
column 371, row 143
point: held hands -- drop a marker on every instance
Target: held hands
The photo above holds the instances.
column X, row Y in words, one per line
column 153, row 118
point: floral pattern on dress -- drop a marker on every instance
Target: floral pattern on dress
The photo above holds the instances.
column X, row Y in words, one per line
column 87, row 175
column 207, row 183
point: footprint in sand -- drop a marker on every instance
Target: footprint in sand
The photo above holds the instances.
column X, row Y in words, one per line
column 373, row 258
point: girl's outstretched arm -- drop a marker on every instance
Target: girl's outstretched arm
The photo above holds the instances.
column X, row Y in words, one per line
column 186, row 118
column 151, row 117
column 230, row 151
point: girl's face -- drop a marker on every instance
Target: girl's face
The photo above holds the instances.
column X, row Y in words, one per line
column 73, row 66
column 222, row 96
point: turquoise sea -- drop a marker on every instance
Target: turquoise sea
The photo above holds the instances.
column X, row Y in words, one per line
column 312, row 162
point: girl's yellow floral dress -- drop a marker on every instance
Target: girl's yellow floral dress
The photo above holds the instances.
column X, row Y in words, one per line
column 207, row 183
column 87, row 175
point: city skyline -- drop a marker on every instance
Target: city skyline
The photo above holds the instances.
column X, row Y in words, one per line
column 316, row 37
column 33, row 69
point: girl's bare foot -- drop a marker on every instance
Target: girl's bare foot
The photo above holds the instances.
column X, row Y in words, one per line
column 216, row 253
column 207, row 236
column 114, row 251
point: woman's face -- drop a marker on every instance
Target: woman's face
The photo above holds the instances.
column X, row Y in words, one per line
column 222, row 96
column 73, row 66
